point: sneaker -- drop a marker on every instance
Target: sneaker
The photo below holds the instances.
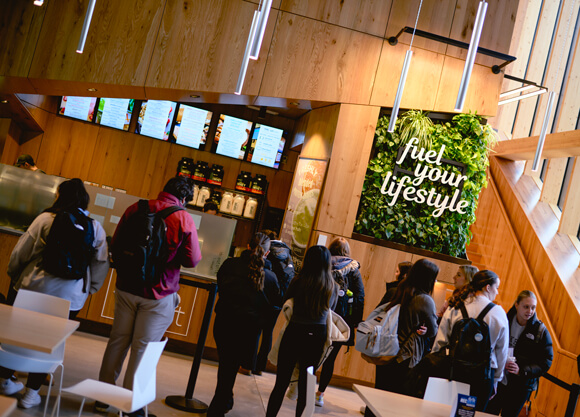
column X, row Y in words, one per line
column 319, row 401
column 101, row 407
column 292, row 392
column 258, row 373
column 10, row 386
column 244, row 371
column 29, row 399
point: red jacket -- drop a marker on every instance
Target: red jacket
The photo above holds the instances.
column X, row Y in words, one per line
column 182, row 243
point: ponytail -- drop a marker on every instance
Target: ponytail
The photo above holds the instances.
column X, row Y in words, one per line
column 480, row 280
column 259, row 246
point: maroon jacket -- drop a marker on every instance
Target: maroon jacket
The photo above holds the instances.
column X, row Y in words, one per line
column 182, row 243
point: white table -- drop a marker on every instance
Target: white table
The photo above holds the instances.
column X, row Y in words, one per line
column 388, row 404
column 7, row 405
column 32, row 330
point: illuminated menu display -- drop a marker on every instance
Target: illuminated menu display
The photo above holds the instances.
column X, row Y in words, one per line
column 232, row 136
column 191, row 126
column 267, row 145
column 82, row 108
column 115, row 112
column 155, row 118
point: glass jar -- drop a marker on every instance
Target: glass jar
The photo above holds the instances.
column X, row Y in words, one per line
column 244, row 181
column 185, row 167
column 238, row 205
column 203, row 195
column 195, row 194
column 227, row 202
column 259, row 184
column 251, row 208
column 216, row 176
column 200, row 172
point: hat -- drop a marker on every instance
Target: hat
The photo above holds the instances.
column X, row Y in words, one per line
column 24, row 159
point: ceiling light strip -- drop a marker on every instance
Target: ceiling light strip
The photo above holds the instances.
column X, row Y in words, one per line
column 471, row 54
column 86, row 26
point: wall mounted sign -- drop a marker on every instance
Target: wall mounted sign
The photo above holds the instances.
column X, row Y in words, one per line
column 404, row 183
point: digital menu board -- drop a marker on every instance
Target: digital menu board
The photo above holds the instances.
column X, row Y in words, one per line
column 82, row 108
column 267, row 146
column 191, row 126
column 155, row 118
column 232, row 136
column 115, row 112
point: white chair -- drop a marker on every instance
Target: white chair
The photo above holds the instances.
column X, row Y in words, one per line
column 125, row 400
column 28, row 360
column 444, row 391
column 310, row 392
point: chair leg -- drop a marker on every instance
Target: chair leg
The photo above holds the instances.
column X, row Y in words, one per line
column 82, row 405
column 48, row 394
column 56, row 406
column 146, row 411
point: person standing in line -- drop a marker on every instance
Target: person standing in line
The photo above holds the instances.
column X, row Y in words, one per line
column 532, row 357
column 475, row 296
column 463, row 277
column 27, row 270
column 144, row 311
column 247, row 291
column 314, row 292
column 401, row 272
column 350, row 305
column 25, row 161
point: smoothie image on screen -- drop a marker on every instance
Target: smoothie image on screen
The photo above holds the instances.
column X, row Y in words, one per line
column 302, row 221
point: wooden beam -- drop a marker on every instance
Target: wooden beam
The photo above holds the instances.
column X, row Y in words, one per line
column 570, row 220
column 557, row 145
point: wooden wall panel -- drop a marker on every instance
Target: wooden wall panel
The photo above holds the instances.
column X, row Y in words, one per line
column 319, row 132
column 10, row 149
column 422, row 80
column 570, row 221
column 20, row 23
column 436, row 17
column 335, row 64
column 215, row 63
column 360, row 15
column 118, row 47
column 7, row 243
column 340, row 198
column 568, row 111
column 553, row 180
column 482, row 93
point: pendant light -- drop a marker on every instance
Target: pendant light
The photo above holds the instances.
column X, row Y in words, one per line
column 403, row 78
column 38, row 2
column 246, row 59
column 551, row 99
column 264, row 10
column 86, row 26
column 471, row 54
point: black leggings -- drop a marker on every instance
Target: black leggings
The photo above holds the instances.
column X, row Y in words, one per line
column 328, row 366
column 34, row 380
column 510, row 399
column 301, row 344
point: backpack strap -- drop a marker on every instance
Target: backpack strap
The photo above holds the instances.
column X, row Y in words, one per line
column 485, row 311
column 166, row 212
column 463, row 310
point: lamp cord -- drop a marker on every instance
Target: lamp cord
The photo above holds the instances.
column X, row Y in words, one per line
column 563, row 45
column 417, row 21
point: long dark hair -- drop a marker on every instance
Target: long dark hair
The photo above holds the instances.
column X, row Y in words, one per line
column 259, row 246
column 420, row 280
column 71, row 195
column 480, row 280
column 316, row 283
column 404, row 268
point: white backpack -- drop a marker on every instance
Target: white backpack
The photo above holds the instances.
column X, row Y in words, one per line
column 377, row 335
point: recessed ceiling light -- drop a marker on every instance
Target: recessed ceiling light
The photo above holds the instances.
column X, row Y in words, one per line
column 4, row 101
column 195, row 96
column 294, row 103
column 91, row 89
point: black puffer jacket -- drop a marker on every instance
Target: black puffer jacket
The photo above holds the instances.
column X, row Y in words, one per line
column 345, row 272
column 282, row 264
column 533, row 352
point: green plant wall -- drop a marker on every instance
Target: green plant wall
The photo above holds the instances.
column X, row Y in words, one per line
column 466, row 141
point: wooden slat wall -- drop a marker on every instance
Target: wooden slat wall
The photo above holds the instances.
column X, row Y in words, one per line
column 570, row 221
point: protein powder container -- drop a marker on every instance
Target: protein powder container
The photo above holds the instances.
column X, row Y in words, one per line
column 259, row 184
column 227, row 202
column 238, row 205
column 216, row 176
column 251, row 207
column 185, row 167
column 202, row 196
column 244, row 181
column 200, row 172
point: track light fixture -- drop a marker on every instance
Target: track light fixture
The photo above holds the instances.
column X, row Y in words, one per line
column 86, row 26
column 471, row 53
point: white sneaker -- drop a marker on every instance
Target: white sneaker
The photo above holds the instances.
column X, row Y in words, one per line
column 9, row 386
column 29, row 399
column 319, row 401
column 292, row 392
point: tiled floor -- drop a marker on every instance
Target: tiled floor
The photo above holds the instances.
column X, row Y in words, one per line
column 83, row 358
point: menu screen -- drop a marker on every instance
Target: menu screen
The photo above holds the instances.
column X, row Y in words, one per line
column 232, row 136
column 155, row 118
column 267, row 146
column 82, row 108
column 191, row 126
column 115, row 112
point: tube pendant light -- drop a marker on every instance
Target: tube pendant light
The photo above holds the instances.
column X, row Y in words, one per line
column 246, row 59
column 522, row 96
column 403, row 79
column 86, row 26
column 471, row 54
column 265, row 6
column 38, row 2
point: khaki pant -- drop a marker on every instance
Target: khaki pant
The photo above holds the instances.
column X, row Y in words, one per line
column 138, row 321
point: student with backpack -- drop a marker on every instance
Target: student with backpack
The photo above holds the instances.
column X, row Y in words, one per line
column 152, row 241
column 417, row 321
column 350, row 305
column 532, row 357
column 474, row 337
column 63, row 253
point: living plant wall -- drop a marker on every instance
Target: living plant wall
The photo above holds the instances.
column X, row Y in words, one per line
column 423, row 181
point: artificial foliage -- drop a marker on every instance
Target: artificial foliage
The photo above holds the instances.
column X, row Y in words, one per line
column 467, row 141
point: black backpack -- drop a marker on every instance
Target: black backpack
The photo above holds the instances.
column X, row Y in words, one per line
column 69, row 245
column 140, row 249
column 470, row 348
